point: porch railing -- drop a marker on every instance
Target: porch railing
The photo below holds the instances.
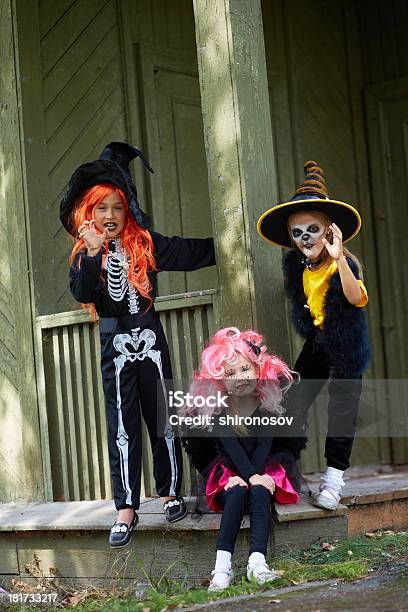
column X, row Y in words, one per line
column 72, row 412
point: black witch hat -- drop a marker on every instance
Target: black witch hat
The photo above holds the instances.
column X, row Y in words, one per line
column 311, row 195
column 111, row 167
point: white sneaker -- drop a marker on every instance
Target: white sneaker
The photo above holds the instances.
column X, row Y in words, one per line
column 261, row 573
column 330, row 487
column 221, row 580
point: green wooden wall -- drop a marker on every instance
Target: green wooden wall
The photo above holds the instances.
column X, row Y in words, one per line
column 319, row 86
column 99, row 70
column 20, row 449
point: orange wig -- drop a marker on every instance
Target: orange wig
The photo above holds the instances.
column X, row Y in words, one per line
column 136, row 241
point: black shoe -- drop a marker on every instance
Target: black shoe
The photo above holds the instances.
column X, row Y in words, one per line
column 121, row 533
column 175, row 509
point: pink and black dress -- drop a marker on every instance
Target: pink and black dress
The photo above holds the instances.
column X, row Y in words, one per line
column 244, row 456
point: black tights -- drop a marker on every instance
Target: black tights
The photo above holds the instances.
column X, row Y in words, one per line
column 257, row 501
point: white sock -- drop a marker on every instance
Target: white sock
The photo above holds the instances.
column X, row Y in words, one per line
column 333, row 476
column 223, row 560
column 256, row 558
column 331, row 471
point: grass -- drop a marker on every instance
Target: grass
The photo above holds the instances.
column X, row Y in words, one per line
column 347, row 559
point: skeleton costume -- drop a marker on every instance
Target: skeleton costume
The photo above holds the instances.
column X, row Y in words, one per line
column 337, row 346
column 135, row 358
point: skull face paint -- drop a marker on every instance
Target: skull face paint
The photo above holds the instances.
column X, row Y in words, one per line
column 307, row 230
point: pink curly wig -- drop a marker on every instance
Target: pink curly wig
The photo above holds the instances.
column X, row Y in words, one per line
column 274, row 376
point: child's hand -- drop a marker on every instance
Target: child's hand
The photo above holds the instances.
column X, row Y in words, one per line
column 335, row 250
column 93, row 240
column 265, row 481
column 234, row 481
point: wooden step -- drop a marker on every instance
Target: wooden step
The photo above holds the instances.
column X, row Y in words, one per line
column 303, row 524
column 70, row 539
column 376, row 501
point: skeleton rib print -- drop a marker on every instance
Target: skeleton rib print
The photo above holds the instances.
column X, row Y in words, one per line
column 118, row 283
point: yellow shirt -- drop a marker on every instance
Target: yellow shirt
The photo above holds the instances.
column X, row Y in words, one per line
column 316, row 284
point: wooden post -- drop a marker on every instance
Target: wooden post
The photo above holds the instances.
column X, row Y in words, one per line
column 241, row 164
column 21, row 476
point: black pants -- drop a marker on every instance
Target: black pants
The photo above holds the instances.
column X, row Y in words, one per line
column 135, row 365
column 257, row 501
column 344, row 397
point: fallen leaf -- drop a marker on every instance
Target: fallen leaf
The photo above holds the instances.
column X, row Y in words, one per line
column 350, row 552
column 274, row 600
column 370, row 534
column 327, row 546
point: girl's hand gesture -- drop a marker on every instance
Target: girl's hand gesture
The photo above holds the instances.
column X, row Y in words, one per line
column 335, row 250
column 265, row 481
column 92, row 239
column 234, row 481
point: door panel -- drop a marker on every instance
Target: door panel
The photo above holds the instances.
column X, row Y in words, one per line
column 180, row 204
column 387, row 118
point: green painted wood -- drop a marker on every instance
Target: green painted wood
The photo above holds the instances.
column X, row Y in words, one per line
column 241, row 163
column 83, row 112
column 179, row 199
column 101, row 416
column 75, row 421
column 383, row 39
column 20, row 445
column 387, row 122
column 176, row 346
column 91, row 432
column 50, row 12
column 44, row 424
column 70, row 71
column 67, row 30
column 335, row 116
column 82, row 456
column 71, row 109
column 60, row 416
column 9, row 559
column 189, row 340
column 58, row 97
column 375, row 449
column 128, row 27
column 69, row 407
column 200, row 335
column 164, row 23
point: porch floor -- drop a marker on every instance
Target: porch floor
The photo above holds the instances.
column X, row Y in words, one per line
column 69, row 539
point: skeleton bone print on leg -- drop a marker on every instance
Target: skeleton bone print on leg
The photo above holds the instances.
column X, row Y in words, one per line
column 117, row 267
column 120, row 342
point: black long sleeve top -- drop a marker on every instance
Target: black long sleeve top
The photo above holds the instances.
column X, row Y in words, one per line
column 248, row 455
column 109, row 289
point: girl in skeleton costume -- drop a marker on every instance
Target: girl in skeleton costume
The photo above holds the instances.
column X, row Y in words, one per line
column 114, row 265
column 242, row 474
column 327, row 296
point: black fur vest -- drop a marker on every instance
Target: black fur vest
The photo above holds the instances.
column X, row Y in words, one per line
column 344, row 336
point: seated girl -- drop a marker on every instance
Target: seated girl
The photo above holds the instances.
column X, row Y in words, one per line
column 241, row 474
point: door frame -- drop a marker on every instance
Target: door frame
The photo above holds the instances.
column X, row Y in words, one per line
column 379, row 157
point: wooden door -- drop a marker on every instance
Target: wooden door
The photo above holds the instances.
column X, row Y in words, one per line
column 387, row 122
column 179, row 188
